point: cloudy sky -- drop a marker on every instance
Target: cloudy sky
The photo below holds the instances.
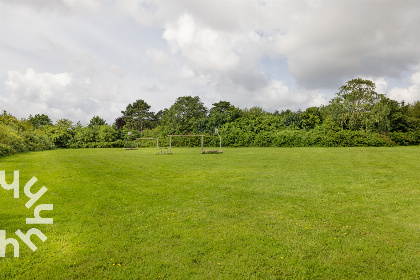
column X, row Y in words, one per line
column 79, row 58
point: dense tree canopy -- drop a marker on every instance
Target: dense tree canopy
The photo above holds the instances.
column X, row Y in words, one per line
column 352, row 107
column 96, row 121
column 119, row 123
column 39, row 120
column 185, row 115
column 138, row 116
column 222, row 112
column 356, row 116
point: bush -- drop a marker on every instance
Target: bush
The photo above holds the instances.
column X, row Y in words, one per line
column 6, row 150
column 18, row 141
column 405, row 138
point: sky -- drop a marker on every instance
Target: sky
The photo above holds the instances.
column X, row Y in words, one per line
column 76, row 59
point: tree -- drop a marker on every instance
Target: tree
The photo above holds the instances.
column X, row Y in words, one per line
column 119, row 122
column 221, row 107
column 184, row 115
column 222, row 112
column 397, row 115
column 254, row 112
column 61, row 133
column 352, row 108
column 96, row 121
column 157, row 118
column 83, row 135
column 106, row 134
column 379, row 119
column 39, row 120
column 291, row 119
column 137, row 115
column 310, row 117
column 413, row 113
column 64, row 123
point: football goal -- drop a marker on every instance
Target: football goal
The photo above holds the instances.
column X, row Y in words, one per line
column 170, row 141
column 141, row 139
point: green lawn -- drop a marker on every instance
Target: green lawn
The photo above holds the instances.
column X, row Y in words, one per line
column 249, row 213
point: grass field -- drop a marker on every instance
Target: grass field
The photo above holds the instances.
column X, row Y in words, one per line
column 249, row 213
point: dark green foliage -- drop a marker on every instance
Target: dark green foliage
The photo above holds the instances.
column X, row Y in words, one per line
column 138, row 116
column 106, row 134
column 254, row 112
column 413, row 115
column 303, row 138
column 96, row 121
column 184, row 116
column 221, row 107
column 120, row 123
column 397, row 116
column 61, row 133
column 405, row 138
column 291, row 119
column 157, row 118
column 310, row 118
column 352, row 107
column 221, row 113
column 39, row 120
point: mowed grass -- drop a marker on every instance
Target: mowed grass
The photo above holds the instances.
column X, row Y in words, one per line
column 249, row 213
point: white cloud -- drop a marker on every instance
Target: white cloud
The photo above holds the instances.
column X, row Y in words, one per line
column 381, row 85
column 60, row 95
column 160, row 58
column 409, row 94
column 60, row 5
column 205, row 48
column 37, row 87
column 277, row 96
column 146, row 12
column 267, row 53
column 332, row 41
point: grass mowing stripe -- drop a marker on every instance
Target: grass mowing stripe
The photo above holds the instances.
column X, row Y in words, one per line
column 341, row 213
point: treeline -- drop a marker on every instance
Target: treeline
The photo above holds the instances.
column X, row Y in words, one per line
column 357, row 116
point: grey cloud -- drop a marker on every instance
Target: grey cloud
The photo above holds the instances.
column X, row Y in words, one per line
column 250, row 80
column 119, row 51
column 378, row 38
column 152, row 89
column 65, row 6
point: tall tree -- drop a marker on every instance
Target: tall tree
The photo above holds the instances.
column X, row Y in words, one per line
column 62, row 132
column 64, row 123
column 291, row 119
column 413, row 113
column 39, row 120
column 310, row 117
column 138, row 115
column 352, row 108
column 120, row 122
column 254, row 112
column 157, row 118
column 222, row 112
column 96, row 121
column 221, row 107
column 184, row 115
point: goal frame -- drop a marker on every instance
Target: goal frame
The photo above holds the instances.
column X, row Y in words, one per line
column 157, row 141
column 170, row 141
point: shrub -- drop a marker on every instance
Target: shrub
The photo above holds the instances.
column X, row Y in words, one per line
column 405, row 138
